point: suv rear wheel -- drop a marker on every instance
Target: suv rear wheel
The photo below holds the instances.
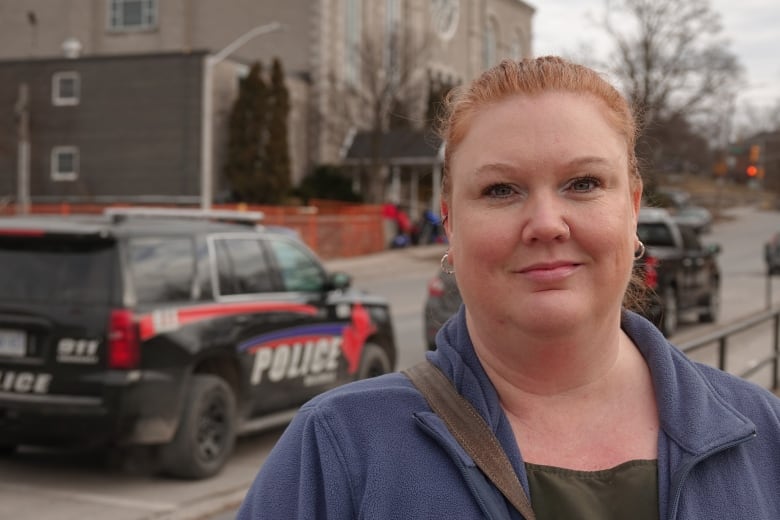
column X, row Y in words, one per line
column 207, row 430
column 374, row 362
column 669, row 311
column 712, row 310
column 7, row 449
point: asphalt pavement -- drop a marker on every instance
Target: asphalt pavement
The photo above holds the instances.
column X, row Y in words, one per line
column 385, row 263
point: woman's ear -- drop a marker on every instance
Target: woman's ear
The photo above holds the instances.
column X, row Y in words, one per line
column 636, row 198
column 446, row 221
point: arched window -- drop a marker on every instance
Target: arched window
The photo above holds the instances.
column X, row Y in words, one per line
column 518, row 45
column 490, row 43
column 352, row 29
column 392, row 36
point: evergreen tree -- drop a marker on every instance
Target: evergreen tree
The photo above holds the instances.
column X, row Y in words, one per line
column 276, row 182
column 245, row 164
column 328, row 182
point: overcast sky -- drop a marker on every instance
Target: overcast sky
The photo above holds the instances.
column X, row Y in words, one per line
column 751, row 26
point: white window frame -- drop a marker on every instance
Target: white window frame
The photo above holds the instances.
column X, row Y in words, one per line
column 490, row 43
column 115, row 16
column 392, row 39
column 352, row 34
column 518, row 45
column 57, row 98
column 56, row 174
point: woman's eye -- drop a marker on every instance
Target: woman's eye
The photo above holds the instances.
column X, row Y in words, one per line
column 584, row 184
column 498, row 190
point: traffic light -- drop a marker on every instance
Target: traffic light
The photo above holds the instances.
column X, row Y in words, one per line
column 755, row 153
column 751, row 171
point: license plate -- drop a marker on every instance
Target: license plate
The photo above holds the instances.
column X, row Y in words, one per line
column 13, row 343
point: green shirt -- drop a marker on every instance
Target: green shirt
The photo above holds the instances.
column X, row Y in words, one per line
column 627, row 491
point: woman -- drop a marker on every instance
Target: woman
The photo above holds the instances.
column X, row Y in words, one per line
column 598, row 414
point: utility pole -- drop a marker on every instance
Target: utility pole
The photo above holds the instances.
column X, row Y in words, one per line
column 22, row 110
column 207, row 108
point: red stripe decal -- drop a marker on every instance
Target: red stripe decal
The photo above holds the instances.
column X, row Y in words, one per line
column 148, row 326
column 190, row 314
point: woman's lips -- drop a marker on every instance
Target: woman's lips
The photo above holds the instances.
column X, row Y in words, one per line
column 549, row 271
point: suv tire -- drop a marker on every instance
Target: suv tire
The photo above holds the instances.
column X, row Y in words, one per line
column 669, row 310
column 7, row 449
column 712, row 310
column 374, row 362
column 207, row 430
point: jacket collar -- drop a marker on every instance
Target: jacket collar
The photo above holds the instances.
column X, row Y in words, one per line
column 691, row 412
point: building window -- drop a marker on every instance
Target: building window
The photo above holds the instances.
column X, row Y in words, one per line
column 490, row 44
column 132, row 14
column 517, row 46
column 64, row 163
column 65, row 88
column 353, row 28
column 392, row 39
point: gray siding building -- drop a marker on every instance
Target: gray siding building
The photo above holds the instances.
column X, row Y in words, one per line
column 128, row 128
column 115, row 104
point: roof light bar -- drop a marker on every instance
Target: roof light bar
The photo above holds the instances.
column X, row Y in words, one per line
column 210, row 214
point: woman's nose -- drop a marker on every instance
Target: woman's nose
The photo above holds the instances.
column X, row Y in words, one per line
column 545, row 220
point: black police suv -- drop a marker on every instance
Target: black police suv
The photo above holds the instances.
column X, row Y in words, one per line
column 173, row 330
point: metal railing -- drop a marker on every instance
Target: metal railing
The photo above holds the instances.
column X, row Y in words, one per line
column 721, row 338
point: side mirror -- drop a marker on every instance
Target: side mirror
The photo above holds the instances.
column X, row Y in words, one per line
column 714, row 248
column 338, row 281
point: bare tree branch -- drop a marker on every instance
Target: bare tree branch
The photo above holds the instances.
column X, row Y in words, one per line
column 674, row 67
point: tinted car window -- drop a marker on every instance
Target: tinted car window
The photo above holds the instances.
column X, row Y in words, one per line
column 655, row 234
column 161, row 268
column 298, row 269
column 690, row 238
column 241, row 267
column 52, row 270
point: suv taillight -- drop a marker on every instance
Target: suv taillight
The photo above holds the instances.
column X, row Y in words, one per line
column 123, row 346
column 651, row 273
column 435, row 287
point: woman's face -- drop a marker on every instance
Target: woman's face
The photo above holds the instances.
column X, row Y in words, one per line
column 542, row 215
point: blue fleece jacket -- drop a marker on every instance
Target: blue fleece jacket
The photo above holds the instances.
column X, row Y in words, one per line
column 373, row 449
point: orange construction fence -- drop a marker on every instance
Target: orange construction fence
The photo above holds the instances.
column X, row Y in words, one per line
column 332, row 229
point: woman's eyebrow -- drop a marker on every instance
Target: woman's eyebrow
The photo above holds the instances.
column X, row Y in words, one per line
column 590, row 160
column 495, row 168
column 578, row 162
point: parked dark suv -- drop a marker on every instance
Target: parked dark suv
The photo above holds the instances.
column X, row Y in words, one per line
column 171, row 330
column 772, row 255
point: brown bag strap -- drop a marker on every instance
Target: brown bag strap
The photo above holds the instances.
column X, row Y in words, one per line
column 471, row 431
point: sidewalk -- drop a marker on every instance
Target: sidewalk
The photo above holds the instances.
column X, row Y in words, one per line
column 386, row 262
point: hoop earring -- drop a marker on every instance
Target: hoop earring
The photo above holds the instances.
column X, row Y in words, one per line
column 446, row 266
column 640, row 251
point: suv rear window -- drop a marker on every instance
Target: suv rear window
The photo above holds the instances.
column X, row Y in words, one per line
column 44, row 269
column 655, row 234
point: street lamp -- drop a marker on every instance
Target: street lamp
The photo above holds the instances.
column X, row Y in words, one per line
column 207, row 117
